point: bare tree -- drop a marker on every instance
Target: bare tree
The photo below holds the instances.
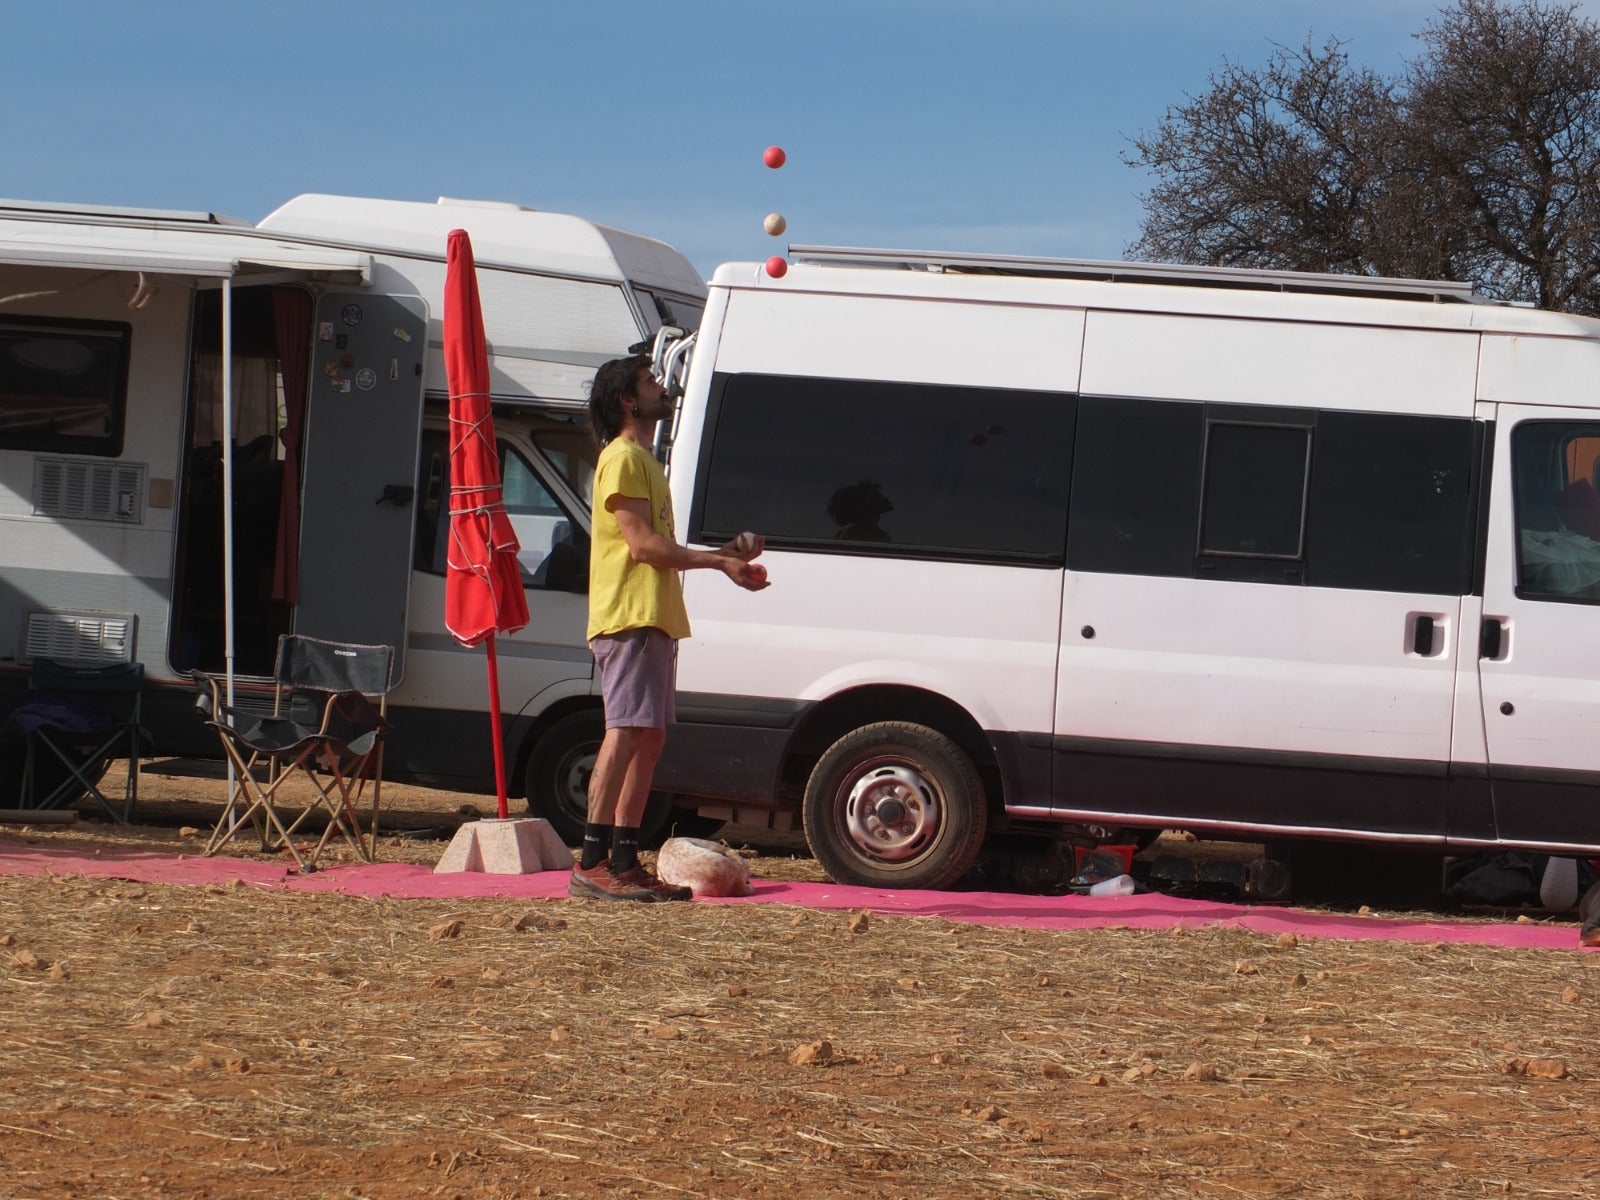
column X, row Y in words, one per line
column 1481, row 163
column 1504, row 117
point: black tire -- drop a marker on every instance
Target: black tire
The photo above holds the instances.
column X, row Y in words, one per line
column 895, row 805
column 558, row 774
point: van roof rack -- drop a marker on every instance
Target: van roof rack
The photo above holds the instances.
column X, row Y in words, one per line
column 960, row 263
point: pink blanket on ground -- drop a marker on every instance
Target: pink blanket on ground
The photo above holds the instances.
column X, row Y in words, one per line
column 1150, row 910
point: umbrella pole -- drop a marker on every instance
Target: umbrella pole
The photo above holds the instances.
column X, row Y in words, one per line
column 494, row 728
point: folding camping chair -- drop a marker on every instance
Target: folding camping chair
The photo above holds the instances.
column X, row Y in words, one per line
column 326, row 726
column 75, row 719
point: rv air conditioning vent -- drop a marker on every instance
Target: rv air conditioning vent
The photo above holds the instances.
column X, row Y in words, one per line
column 89, row 638
column 88, row 490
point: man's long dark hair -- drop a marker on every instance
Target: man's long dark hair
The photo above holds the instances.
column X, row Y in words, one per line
column 613, row 383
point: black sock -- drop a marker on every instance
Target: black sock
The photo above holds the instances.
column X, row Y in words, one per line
column 596, row 844
column 624, row 849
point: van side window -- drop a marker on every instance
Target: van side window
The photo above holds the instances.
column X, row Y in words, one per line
column 1555, row 466
column 903, row 469
column 1135, row 487
column 63, row 385
column 1393, row 503
column 555, row 548
column 1369, row 501
column 1253, row 500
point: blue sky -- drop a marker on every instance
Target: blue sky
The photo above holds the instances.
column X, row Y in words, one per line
column 988, row 125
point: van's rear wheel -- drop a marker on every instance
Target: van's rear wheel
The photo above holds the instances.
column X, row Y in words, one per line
column 895, row 804
column 558, row 776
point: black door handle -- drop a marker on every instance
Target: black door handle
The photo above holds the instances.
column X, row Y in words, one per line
column 1491, row 637
column 1422, row 637
column 397, row 493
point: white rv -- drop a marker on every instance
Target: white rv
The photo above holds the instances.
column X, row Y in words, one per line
column 1099, row 548
column 113, row 351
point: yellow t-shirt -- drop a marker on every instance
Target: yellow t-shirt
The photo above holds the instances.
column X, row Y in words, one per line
column 624, row 594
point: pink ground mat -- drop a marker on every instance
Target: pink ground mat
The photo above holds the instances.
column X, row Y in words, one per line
column 1147, row 910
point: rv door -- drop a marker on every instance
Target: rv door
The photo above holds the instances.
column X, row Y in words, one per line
column 358, row 494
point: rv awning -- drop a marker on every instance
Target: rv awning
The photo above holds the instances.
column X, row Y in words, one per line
column 208, row 257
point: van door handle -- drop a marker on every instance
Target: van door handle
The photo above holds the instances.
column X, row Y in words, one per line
column 397, row 493
column 1422, row 636
column 1491, row 638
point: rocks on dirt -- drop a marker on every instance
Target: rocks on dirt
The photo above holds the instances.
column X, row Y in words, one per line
column 1536, row 1068
column 812, row 1054
column 448, row 929
column 539, row 922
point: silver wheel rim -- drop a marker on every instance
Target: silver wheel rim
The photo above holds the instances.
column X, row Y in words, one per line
column 892, row 811
column 572, row 780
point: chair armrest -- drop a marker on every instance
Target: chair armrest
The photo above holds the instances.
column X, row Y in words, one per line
column 208, row 699
column 355, row 710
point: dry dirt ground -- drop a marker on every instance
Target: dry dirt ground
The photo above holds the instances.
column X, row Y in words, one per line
column 222, row 1041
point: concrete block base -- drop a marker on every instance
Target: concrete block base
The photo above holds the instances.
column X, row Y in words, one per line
column 519, row 846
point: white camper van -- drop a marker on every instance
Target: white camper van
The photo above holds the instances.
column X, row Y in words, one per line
column 113, row 351
column 1098, row 548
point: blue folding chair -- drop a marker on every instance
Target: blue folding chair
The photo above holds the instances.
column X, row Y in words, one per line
column 74, row 721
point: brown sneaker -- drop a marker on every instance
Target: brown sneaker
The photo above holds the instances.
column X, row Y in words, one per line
column 643, row 876
column 598, row 883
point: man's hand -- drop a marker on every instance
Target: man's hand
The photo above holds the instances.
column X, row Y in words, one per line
column 746, row 546
column 752, row 577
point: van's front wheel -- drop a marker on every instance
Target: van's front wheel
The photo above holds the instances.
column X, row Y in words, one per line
column 895, row 804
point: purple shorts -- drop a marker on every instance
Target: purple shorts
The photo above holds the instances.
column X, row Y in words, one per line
column 638, row 677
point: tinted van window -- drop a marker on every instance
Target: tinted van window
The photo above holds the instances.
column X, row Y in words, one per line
column 1331, row 499
column 1135, row 486
column 1392, row 503
column 888, row 468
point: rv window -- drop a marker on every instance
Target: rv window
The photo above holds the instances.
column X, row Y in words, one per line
column 661, row 309
column 1557, row 510
column 917, row 470
column 572, row 452
column 63, row 385
column 554, row 548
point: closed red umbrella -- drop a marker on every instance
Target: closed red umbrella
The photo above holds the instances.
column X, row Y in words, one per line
column 482, row 588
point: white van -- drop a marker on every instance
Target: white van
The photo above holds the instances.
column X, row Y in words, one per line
column 112, row 455
column 1095, row 548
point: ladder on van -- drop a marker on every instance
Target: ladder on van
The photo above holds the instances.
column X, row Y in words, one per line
column 961, row 263
column 670, row 352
